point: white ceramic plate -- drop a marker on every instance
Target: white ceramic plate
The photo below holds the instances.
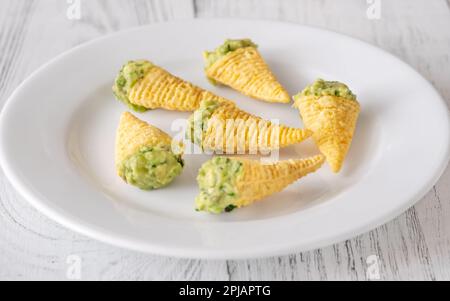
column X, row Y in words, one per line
column 57, row 143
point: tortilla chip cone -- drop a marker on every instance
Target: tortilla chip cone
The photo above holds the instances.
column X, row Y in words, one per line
column 144, row 155
column 152, row 87
column 160, row 89
column 333, row 121
column 251, row 181
column 246, row 71
column 261, row 180
column 223, row 127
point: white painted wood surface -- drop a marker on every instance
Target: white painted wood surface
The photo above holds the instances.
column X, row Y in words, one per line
column 414, row 246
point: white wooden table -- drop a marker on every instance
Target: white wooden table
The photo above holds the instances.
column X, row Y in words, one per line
column 414, row 246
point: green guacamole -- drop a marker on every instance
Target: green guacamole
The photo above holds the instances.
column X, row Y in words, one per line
column 198, row 121
column 217, row 182
column 327, row 88
column 226, row 47
column 128, row 76
column 152, row 167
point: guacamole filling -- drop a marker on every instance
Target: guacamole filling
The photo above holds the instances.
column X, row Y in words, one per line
column 217, row 182
column 228, row 46
column 198, row 121
column 327, row 88
column 128, row 76
column 152, row 167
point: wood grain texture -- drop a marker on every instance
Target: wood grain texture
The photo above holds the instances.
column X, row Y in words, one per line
column 414, row 246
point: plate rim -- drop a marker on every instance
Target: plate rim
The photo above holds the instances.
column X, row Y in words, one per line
column 182, row 251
